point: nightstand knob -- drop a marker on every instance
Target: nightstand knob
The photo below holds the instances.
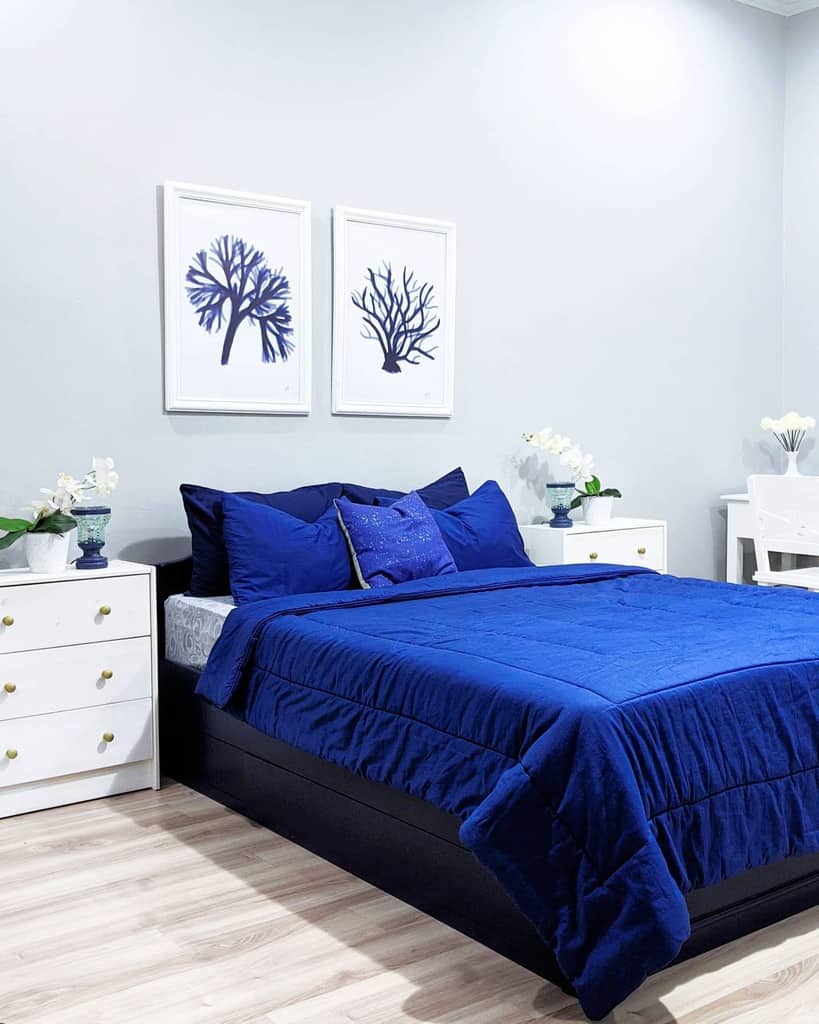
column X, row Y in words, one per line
column 107, row 673
column 11, row 753
column 593, row 555
column 641, row 551
column 8, row 620
column 105, row 609
column 10, row 687
column 108, row 737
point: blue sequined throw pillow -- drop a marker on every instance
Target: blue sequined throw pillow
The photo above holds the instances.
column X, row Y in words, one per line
column 394, row 544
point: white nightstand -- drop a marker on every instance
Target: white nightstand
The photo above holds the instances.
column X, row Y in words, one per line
column 620, row 541
column 78, row 670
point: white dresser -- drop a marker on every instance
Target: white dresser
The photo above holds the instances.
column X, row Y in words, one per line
column 620, row 542
column 78, row 670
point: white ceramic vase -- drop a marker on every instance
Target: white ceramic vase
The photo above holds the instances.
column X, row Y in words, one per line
column 793, row 468
column 597, row 510
column 47, row 552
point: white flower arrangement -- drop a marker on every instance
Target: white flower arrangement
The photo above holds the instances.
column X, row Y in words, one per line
column 52, row 511
column 571, row 456
column 789, row 430
column 579, row 464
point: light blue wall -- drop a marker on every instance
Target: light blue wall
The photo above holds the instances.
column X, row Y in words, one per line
column 614, row 168
column 801, row 309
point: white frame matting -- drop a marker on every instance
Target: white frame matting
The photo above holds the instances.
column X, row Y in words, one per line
column 424, row 387
column 191, row 352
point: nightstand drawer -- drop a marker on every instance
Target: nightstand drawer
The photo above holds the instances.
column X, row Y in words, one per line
column 47, row 746
column 38, row 615
column 67, row 678
column 621, row 547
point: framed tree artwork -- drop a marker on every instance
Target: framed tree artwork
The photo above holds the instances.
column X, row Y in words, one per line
column 237, row 301
column 393, row 314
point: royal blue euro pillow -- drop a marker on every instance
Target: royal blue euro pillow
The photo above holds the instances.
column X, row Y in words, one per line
column 273, row 554
column 394, row 543
column 481, row 531
column 441, row 493
column 203, row 508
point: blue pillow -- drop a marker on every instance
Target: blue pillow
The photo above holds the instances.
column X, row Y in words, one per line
column 272, row 554
column 439, row 494
column 394, row 544
column 203, row 507
column 482, row 532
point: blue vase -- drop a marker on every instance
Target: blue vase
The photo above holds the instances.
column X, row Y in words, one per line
column 560, row 502
column 91, row 523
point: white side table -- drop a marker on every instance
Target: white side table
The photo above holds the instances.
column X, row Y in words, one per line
column 78, row 670
column 620, row 542
column 740, row 528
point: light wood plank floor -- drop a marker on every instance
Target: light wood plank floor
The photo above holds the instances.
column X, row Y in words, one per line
column 166, row 908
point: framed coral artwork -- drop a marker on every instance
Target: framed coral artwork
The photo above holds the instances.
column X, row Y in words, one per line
column 237, row 301
column 393, row 314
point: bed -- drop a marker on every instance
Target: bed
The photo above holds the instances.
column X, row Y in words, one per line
column 282, row 729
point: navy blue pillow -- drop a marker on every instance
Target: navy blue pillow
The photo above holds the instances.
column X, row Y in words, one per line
column 395, row 543
column 203, row 507
column 482, row 532
column 441, row 493
column 272, row 554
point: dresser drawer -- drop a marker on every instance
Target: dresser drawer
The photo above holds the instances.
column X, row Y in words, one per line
column 38, row 615
column 66, row 678
column 644, row 546
column 48, row 746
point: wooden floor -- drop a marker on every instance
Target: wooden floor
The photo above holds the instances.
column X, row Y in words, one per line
column 165, row 908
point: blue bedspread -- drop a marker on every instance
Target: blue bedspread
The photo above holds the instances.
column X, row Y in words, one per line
column 610, row 738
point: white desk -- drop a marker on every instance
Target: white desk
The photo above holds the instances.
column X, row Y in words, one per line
column 740, row 528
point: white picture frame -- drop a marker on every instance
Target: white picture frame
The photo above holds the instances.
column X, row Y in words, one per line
column 212, row 361
column 373, row 373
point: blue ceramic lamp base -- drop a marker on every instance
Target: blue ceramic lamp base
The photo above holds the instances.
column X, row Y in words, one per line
column 560, row 502
column 91, row 523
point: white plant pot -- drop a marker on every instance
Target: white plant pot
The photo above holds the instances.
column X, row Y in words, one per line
column 597, row 510
column 47, row 552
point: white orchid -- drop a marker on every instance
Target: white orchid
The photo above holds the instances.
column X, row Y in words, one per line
column 580, row 464
column 52, row 512
column 102, row 479
column 547, row 441
column 105, row 476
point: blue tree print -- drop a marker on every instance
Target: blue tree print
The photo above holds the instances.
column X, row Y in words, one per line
column 230, row 283
column 398, row 312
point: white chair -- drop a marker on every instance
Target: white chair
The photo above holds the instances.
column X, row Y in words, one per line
column 785, row 512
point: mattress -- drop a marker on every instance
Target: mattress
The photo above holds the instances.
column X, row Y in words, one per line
column 192, row 627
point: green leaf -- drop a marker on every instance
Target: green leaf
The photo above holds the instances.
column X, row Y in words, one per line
column 10, row 538
column 610, row 492
column 577, row 502
column 593, row 486
column 57, row 522
column 14, row 525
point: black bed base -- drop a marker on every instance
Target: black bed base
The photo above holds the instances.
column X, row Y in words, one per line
column 403, row 845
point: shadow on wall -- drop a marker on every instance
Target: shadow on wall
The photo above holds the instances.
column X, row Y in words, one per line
column 533, row 475
column 156, row 550
column 767, row 457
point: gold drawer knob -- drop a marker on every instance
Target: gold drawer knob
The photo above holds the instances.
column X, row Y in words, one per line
column 107, row 673
column 11, row 753
column 10, row 687
column 8, row 620
column 108, row 737
column 593, row 555
column 105, row 609
column 641, row 551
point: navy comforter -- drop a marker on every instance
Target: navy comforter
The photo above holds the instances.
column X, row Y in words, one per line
column 610, row 738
